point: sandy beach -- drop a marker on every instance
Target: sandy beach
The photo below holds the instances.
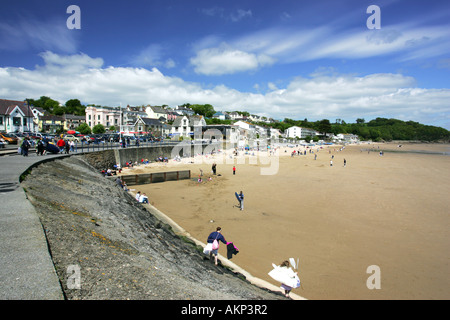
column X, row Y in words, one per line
column 390, row 211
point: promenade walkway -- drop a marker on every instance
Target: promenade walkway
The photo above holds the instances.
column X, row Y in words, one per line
column 26, row 268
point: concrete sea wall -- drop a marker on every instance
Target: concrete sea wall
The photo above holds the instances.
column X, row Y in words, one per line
column 108, row 158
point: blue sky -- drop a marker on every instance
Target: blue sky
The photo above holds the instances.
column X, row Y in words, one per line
column 285, row 58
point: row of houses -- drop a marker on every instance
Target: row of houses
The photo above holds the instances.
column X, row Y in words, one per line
column 18, row 116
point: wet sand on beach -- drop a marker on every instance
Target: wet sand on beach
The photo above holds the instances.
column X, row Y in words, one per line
column 390, row 211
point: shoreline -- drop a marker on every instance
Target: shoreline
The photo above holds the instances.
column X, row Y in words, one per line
column 181, row 231
column 314, row 231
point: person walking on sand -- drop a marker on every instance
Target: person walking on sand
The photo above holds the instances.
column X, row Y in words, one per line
column 241, row 200
column 286, row 267
column 214, row 168
column 234, row 170
column 345, row 162
column 215, row 236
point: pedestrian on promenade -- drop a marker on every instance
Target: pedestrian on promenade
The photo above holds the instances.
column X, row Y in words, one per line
column 61, row 144
column 40, row 147
column 72, row 146
column 25, row 146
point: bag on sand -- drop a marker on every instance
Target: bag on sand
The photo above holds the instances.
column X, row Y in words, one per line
column 208, row 248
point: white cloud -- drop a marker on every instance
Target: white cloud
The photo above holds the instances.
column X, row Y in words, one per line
column 225, row 60
column 323, row 95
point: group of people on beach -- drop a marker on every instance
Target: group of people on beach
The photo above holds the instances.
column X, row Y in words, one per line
column 213, row 250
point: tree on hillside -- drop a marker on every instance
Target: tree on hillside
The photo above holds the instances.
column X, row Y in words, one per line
column 324, row 126
column 45, row 103
column 205, row 110
column 74, row 106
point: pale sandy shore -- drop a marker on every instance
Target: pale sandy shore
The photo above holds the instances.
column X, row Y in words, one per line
column 390, row 211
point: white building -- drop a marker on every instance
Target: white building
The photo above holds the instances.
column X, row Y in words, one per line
column 299, row 132
column 347, row 138
column 156, row 113
column 185, row 126
column 16, row 116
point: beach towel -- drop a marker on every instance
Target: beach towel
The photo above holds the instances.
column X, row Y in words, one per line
column 284, row 275
column 231, row 249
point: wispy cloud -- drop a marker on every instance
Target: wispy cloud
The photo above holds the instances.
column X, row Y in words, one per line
column 403, row 42
column 152, row 56
column 233, row 16
column 240, row 14
column 30, row 33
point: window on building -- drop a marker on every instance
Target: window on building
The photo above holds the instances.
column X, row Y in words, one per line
column 16, row 121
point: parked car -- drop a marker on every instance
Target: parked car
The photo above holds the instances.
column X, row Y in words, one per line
column 9, row 138
column 71, row 137
column 3, row 143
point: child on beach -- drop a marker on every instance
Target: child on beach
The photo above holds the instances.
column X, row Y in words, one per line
column 286, row 266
